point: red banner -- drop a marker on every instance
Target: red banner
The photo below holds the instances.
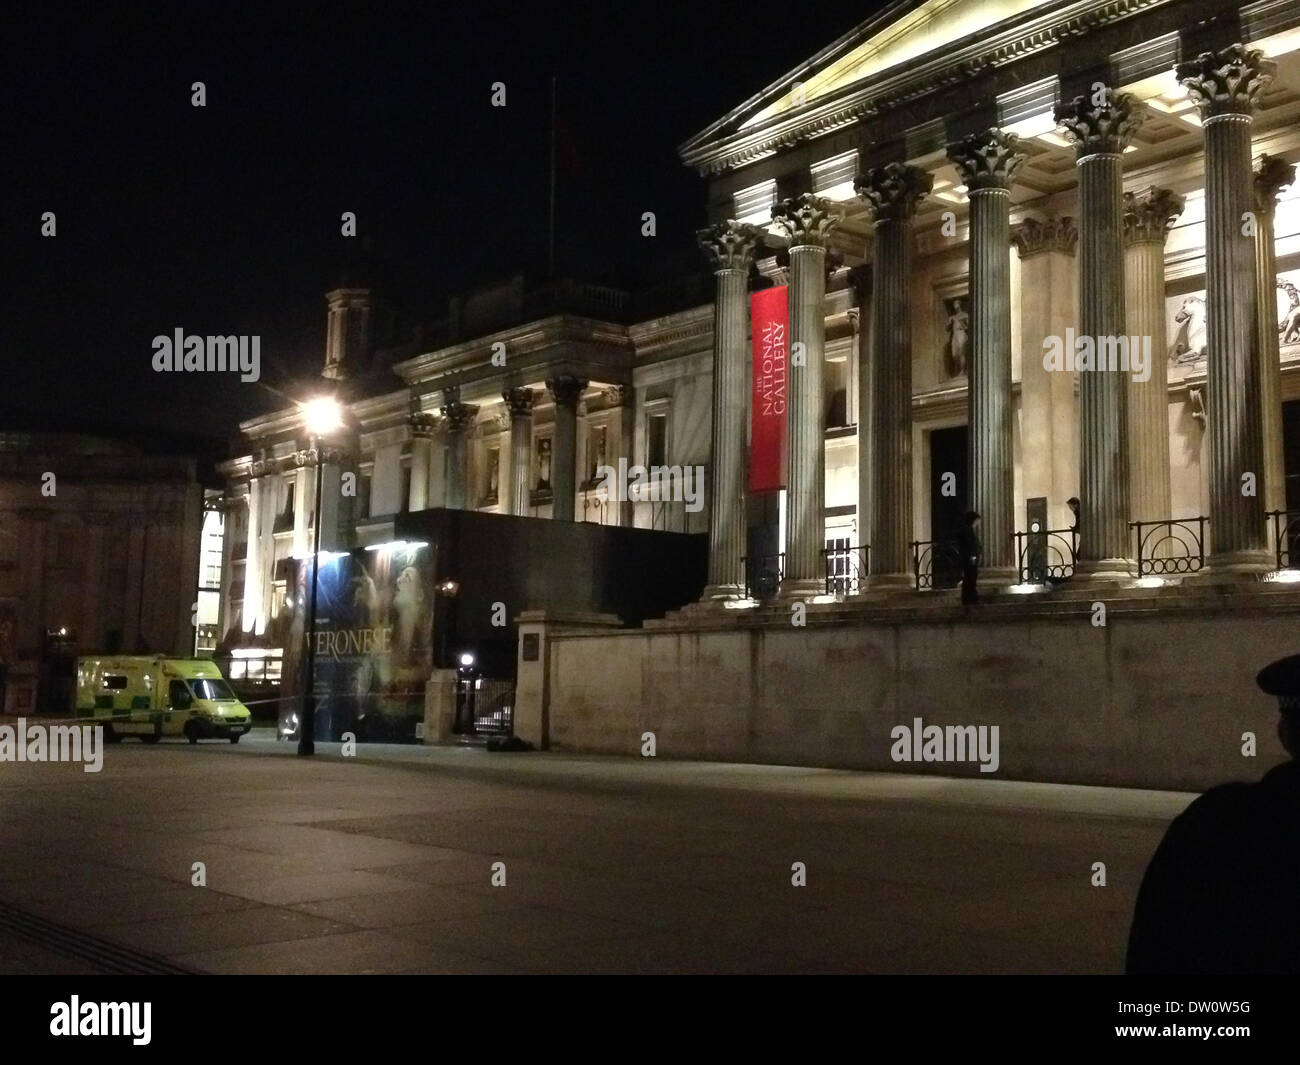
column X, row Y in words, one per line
column 769, row 314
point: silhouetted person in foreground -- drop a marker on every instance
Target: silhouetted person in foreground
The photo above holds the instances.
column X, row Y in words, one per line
column 1220, row 895
column 969, row 545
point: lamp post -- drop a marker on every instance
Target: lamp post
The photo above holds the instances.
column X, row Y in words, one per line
column 321, row 416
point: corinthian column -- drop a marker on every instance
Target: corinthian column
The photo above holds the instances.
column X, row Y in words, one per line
column 1147, row 218
column 893, row 193
column 1100, row 124
column 987, row 163
column 1224, row 86
column 808, row 223
column 457, row 417
column 565, row 389
column 1271, row 176
column 520, row 401
column 730, row 248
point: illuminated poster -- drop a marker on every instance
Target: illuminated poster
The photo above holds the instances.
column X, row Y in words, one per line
column 373, row 642
column 770, row 325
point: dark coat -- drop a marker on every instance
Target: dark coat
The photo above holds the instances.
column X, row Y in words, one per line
column 1220, row 895
column 969, row 543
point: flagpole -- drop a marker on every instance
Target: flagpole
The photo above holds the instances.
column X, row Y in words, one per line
column 550, row 250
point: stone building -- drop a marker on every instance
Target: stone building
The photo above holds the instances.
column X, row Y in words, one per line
column 970, row 203
column 956, row 187
column 99, row 551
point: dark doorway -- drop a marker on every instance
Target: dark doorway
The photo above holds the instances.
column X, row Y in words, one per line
column 1291, row 452
column 948, row 503
column 1289, row 531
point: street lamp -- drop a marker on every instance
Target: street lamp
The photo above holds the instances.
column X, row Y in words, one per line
column 321, row 416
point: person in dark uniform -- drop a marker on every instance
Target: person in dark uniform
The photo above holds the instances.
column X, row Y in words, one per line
column 968, row 543
column 1219, row 896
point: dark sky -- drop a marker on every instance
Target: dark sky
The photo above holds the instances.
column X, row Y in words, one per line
column 225, row 219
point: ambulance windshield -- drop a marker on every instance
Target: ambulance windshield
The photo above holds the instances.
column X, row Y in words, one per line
column 216, row 690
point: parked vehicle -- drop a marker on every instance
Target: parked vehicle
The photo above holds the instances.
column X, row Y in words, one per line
column 152, row 696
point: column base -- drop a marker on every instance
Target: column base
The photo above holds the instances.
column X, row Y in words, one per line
column 1234, row 567
column 1105, row 569
column 718, row 594
column 801, row 588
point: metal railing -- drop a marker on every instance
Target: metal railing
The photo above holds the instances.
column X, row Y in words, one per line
column 1286, row 537
column 596, row 510
column 1047, row 556
column 936, row 564
column 763, row 575
column 1176, row 545
column 846, row 569
column 484, row 707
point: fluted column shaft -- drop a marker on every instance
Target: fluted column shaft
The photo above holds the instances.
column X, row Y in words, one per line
column 893, row 192
column 1100, row 125
column 1271, row 175
column 423, row 428
column 566, row 390
column 1147, row 217
column 520, row 402
column 730, row 248
column 861, row 278
column 1224, row 86
column 457, row 419
column 808, row 223
column 987, row 163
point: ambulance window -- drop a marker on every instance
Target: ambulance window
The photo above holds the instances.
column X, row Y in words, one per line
column 211, row 689
column 179, row 694
column 114, row 682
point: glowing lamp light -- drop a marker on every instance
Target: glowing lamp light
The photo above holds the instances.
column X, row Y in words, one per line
column 467, row 660
column 322, row 415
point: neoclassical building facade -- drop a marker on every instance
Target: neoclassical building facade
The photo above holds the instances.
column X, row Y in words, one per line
column 954, row 190
column 947, row 191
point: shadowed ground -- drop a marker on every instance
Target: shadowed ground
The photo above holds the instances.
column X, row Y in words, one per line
column 383, row 864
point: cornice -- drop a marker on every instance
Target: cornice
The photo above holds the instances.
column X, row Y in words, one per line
column 946, row 67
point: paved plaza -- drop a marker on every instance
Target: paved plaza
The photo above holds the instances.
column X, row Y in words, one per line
column 385, row 863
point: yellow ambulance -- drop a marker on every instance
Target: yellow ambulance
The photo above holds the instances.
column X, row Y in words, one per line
column 152, row 696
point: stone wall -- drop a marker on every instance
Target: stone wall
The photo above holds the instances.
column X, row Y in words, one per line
column 1158, row 697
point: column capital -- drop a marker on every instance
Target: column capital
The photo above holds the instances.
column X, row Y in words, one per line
column 730, row 245
column 1226, row 82
column 1100, row 122
column 1272, row 174
column 807, row 220
column 458, row 416
column 565, row 389
column 1149, row 214
column 519, row 401
column 1034, row 236
column 893, row 191
column 987, row 160
column 423, row 425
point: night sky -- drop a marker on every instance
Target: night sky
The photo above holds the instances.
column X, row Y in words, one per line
column 225, row 219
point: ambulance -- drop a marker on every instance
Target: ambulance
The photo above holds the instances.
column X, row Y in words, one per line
column 152, row 696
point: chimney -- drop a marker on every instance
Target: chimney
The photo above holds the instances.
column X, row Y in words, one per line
column 347, row 332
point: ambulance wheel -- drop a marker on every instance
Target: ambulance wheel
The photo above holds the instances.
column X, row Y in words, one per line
column 234, row 739
column 191, row 733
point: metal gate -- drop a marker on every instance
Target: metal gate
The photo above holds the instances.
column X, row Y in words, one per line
column 485, row 707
